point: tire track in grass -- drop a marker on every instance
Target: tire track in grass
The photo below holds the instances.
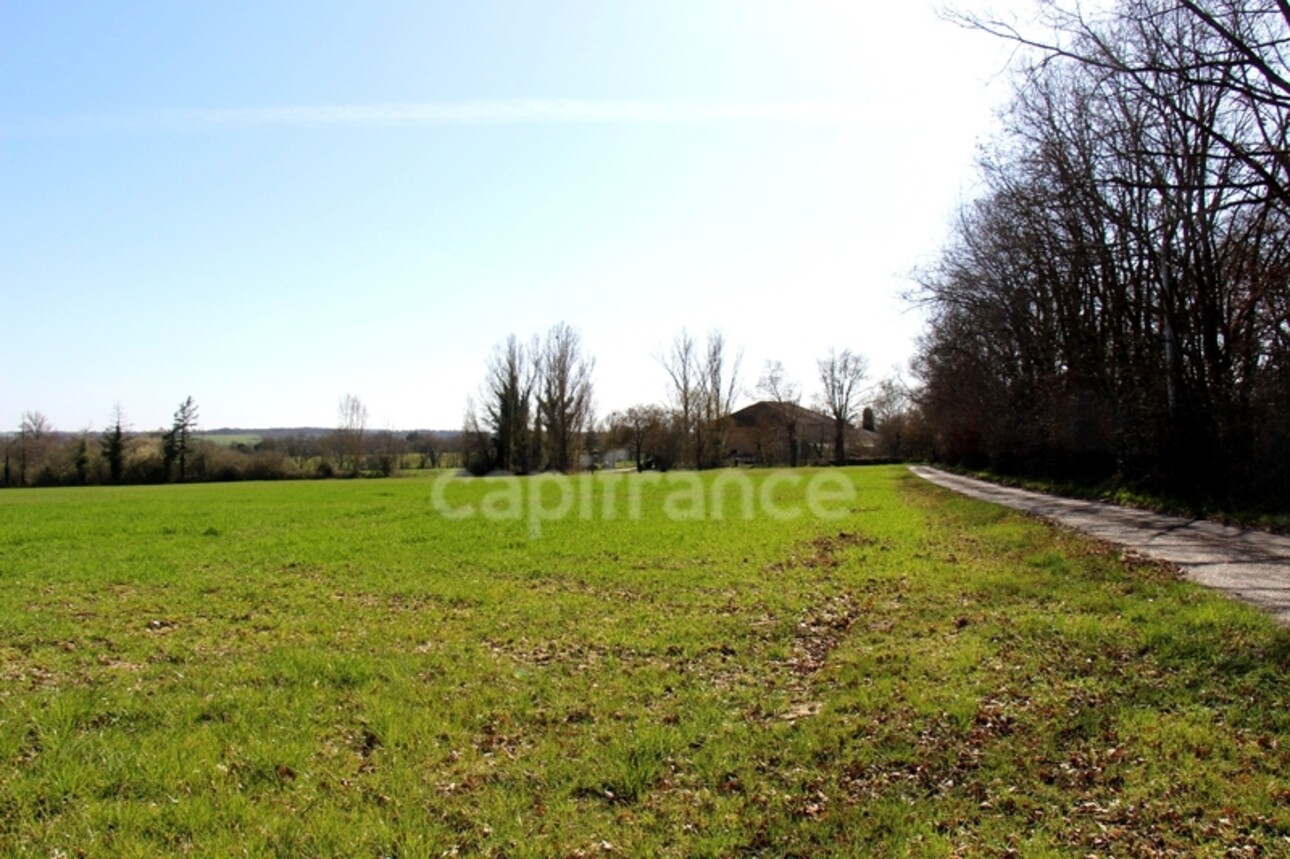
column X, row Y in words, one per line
column 821, row 627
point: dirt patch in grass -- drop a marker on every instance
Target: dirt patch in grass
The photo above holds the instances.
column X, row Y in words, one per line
column 822, row 552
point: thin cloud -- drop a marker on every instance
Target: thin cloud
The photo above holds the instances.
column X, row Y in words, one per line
column 501, row 112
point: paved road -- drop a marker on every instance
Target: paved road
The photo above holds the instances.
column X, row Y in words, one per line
column 1253, row 566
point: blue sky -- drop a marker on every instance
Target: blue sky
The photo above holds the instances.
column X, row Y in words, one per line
column 269, row 205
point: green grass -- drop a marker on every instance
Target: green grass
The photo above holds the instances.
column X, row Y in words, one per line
column 230, row 439
column 331, row 668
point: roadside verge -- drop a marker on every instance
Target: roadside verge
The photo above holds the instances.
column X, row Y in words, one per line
column 1252, row 566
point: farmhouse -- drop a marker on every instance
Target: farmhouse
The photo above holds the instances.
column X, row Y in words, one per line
column 765, row 432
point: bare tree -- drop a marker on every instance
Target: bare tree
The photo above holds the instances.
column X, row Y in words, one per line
column 787, row 398
column 564, row 396
column 891, row 410
column 718, row 386
column 32, row 436
column 35, row 425
column 351, row 426
column 642, row 428
column 682, row 366
column 840, row 377
column 1115, row 305
column 703, row 388
column 1157, row 49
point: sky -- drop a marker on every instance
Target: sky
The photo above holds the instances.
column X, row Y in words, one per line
column 267, row 206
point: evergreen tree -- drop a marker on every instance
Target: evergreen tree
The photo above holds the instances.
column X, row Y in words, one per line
column 113, row 447
column 177, row 443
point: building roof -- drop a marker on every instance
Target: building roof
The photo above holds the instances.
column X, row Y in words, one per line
column 770, row 412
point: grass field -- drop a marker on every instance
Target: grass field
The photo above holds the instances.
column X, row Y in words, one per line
column 230, row 439
column 335, row 668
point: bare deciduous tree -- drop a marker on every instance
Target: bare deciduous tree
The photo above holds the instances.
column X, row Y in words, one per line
column 564, row 396
column 703, row 388
column 682, row 366
column 1158, row 49
column 32, row 433
column 719, row 385
column 787, row 397
column 891, row 409
column 643, row 429
column 1115, row 305
column 351, row 426
column 840, row 377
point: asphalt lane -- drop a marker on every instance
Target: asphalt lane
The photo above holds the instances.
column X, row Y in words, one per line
column 1248, row 565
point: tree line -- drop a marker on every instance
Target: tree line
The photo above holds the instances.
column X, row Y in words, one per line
column 1116, row 304
column 535, row 412
column 38, row 455
column 535, row 408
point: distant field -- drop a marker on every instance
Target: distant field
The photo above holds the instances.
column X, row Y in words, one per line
column 336, row 668
column 230, row 439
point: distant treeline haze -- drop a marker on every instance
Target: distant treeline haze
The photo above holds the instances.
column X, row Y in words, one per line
column 40, row 456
